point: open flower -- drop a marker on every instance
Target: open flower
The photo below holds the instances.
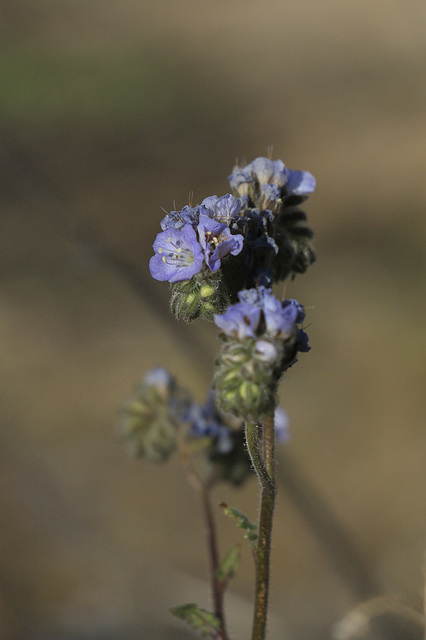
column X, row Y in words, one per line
column 240, row 320
column 223, row 208
column 267, row 171
column 280, row 319
column 177, row 219
column 217, row 241
column 281, row 180
column 178, row 255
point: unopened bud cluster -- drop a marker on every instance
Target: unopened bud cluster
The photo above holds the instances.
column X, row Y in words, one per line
column 261, row 339
column 150, row 418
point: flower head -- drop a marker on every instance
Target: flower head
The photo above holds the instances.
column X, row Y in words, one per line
column 178, row 255
column 241, row 179
column 258, row 313
column 223, row 209
column 240, row 320
column 267, row 171
column 177, row 219
column 269, row 180
column 150, row 418
column 217, row 241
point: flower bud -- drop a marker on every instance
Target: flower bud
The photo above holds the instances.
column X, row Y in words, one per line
column 265, row 351
column 198, row 297
column 245, row 385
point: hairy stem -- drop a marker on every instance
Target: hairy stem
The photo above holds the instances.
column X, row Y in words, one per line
column 265, row 469
column 210, row 524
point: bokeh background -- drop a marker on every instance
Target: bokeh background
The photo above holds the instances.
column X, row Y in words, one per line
column 109, row 111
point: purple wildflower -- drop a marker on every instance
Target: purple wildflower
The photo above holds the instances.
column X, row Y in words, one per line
column 223, row 209
column 280, row 318
column 217, row 241
column 300, row 183
column 178, row 219
column 239, row 321
column 270, row 194
column 178, row 255
column 272, row 178
column 300, row 309
column 267, row 171
column 241, row 179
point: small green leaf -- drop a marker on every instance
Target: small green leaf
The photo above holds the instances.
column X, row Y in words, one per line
column 203, row 621
column 229, row 564
column 242, row 521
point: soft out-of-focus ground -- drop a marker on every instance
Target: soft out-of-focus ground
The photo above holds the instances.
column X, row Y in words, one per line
column 110, row 111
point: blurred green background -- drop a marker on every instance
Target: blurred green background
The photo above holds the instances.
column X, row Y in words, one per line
column 109, row 111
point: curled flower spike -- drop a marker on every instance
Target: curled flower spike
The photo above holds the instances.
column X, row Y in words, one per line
column 252, row 180
column 261, row 340
column 244, row 319
column 150, row 418
column 227, row 244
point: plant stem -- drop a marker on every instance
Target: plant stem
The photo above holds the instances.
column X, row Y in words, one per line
column 216, row 588
column 217, row 591
column 265, row 469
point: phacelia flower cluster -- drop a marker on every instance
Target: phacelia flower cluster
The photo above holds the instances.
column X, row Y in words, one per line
column 258, row 236
column 268, row 182
column 262, row 337
column 160, row 414
column 149, row 420
column 195, row 240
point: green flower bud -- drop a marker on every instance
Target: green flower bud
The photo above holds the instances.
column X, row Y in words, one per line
column 245, row 385
column 200, row 296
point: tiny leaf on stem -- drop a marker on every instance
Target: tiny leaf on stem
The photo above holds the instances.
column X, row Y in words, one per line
column 205, row 622
column 229, row 564
column 242, row 522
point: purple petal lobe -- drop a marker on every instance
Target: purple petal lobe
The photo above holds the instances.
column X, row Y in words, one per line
column 239, row 321
column 300, row 183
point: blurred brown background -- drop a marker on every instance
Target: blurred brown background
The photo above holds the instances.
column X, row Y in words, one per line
column 110, row 110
